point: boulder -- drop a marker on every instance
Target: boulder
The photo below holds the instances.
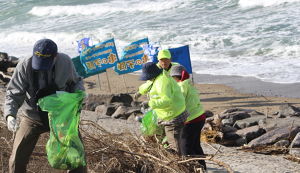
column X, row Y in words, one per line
column 251, row 132
column 282, row 143
column 231, row 118
column 240, row 141
column 101, row 110
column 247, row 122
column 295, row 146
column 227, row 122
column 119, row 126
column 93, row 100
column 135, row 104
column 249, row 111
column 114, row 126
column 124, row 112
column 5, row 78
column 123, row 98
column 231, row 136
column 273, row 123
column 7, row 61
column 273, row 136
column 266, row 124
column 288, row 110
column 235, row 115
column 209, row 114
column 228, row 129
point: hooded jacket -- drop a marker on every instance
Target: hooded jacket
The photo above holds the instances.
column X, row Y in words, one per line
column 165, row 97
column 192, row 101
column 21, row 86
column 144, row 88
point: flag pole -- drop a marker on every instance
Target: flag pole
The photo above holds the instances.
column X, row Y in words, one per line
column 125, row 83
column 193, row 78
column 99, row 82
column 108, row 81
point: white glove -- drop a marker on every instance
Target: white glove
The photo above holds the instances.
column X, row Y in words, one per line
column 12, row 123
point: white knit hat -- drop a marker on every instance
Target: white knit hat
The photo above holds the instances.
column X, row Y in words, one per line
column 176, row 70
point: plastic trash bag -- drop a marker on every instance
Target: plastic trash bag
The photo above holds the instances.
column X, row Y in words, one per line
column 149, row 125
column 64, row 147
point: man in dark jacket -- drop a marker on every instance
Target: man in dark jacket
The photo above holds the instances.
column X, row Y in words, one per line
column 42, row 74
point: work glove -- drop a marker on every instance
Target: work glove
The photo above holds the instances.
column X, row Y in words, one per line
column 136, row 96
column 12, row 123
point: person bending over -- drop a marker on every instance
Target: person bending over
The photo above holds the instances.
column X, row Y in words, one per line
column 42, row 74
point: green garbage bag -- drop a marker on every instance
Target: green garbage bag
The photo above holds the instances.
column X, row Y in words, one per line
column 149, row 125
column 64, row 147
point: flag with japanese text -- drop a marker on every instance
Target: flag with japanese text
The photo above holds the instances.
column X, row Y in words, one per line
column 133, row 57
column 82, row 44
column 152, row 50
column 99, row 57
column 80, row 69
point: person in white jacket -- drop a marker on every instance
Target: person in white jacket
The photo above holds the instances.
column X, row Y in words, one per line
column 42, row 74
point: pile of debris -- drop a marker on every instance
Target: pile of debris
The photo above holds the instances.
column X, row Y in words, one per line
column 107, row 152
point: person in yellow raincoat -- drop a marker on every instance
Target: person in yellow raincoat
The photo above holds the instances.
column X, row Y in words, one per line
column 166, row 99
column 164, row 62
column 190, row 139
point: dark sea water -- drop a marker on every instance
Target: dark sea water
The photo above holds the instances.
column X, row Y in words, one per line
column 257, row 38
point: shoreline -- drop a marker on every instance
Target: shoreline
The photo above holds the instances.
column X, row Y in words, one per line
column 251, row 85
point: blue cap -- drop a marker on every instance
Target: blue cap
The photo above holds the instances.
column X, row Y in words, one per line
column 150, row 71
column 44, row 52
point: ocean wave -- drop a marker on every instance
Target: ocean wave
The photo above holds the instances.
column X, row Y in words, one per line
column 20, row 44
column 263, row 3
column 269, row 69
column 99, row 9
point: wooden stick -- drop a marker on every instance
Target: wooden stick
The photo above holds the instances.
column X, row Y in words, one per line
column 217, row 150
column 193, row 78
